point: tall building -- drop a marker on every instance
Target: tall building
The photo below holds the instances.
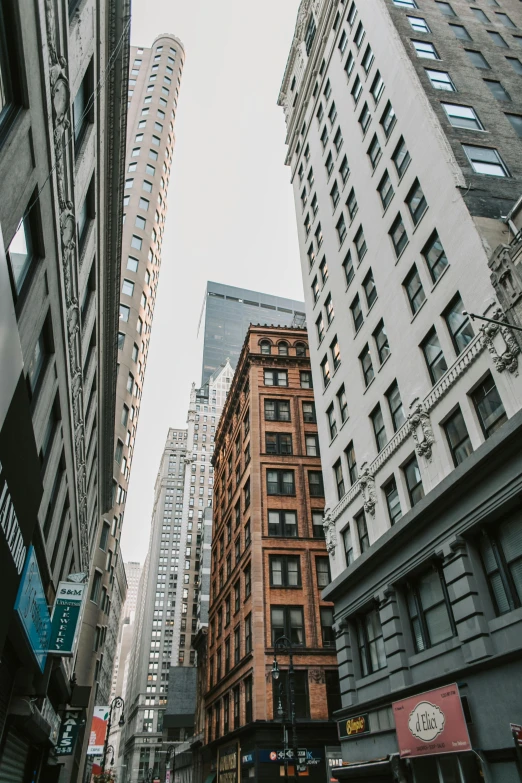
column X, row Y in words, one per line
column 154, row 83
column 62, row 136
column 404, row 122
column 269, row 563
column 127, row 615
column 229, row 311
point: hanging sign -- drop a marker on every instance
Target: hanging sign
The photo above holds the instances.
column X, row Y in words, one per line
column 100, row 717
column 68, row 733
column 31, row 606
column 65, row 618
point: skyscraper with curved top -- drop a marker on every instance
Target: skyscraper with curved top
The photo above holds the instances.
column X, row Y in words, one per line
column 154, row 84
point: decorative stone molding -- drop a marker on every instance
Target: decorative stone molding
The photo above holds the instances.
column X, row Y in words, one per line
column 60, row 101
column 330, row 534
column 367, row 485
column 508, row 359
column 506, row 278
column 420, row 429
column 316, row 675
column 453, row 373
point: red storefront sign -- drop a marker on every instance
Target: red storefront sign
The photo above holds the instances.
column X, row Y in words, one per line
column 430, row 723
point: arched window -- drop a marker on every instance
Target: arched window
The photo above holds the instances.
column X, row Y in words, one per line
column 265, row 347
column 283, row 349
column 300, row 349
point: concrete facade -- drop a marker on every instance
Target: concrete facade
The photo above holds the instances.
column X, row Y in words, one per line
column 62, row 139
column 395, row 111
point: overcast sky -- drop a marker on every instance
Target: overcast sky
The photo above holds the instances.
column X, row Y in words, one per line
column 231, row 216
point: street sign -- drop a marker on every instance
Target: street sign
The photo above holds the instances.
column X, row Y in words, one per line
column 68, row 733
column 516, row 730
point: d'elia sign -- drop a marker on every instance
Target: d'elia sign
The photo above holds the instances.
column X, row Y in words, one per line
column 431, row 723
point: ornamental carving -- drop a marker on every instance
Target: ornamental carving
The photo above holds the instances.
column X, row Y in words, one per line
column 316, row 675
column 420, row 428
column 367, row 484
column 60, row 95
column 330, row 534
column 508, row 359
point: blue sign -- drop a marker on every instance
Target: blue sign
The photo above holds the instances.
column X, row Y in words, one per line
column 31, row 605
column 247, row 758
column 308, row 756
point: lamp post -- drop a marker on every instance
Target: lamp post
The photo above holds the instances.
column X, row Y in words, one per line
column 284, row 645
column 171, row 753
column 117, row 702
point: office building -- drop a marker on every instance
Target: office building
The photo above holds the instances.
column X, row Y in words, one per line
column 269, row 563
column 404, row 122
column 229, row 311
column 62, row 138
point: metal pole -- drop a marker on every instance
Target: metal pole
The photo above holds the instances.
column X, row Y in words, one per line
column 491, row 320
column 106, row 743
column 292, row 706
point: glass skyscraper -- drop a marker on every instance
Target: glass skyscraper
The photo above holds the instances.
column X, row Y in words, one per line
column 229, row 313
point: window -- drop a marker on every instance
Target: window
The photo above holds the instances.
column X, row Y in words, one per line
column 306, row 379
column 461, row 32
column 365, row 118
column 416, row 202
column 278, row 443
column 477, row 59
column 393, row 502
column 344, row 169
column 280, row 695
column 516, row 122
column 280, row 482
column 485, row 160
column 459, row 325
column 413, row 481
column 515, row 64
column 339, row 479
column 462, row 116
column 336, row 353
column 248, row 583
column 310, row 34
column 418, row 24
column 320, row 328
column 83, row 108
column 497, row 90
column 287, row 621
column 127, row 287
column 401, row 157
column 377, row 87
column 317, row 524
column 338, row 140
column 20, row 254
column 360, row 244
column 248, row 634
column 440, row 80
column 327, row 631
column 388, row 119
column 332, row 424
column 265, row 346
column 497, row 39
column 357, row 314
column 341, row 229
column 277, row 410
column 359, row 35
column 323, row 268
column 501, row 551
column 136, row 242
column 343, row 404
column 276, row 378
column 445, row 8
column 379, row 429
column 334, row 194
column 370, row 642
column 322, row 570
column 96, row 587
column 282, row 523
column 318, row 236
column 425, row 49
column 348, row 546
column 381, row 341
column 398, row 235
column 309, row 416
column 356, row 90
column 374, row 152
column 430, row 610
column 458, row 438
column 329, row 163
column 367, row 366
column 37, row 363
column 124, row 313
column 370, row 289
column 324, row 137
column 285, row 571
column 140, row 222
column 362, row 531
column 385, row 189
column 405, row 3
column 414, row 290
column 315, row 484
column 433, row 355
column 488, row 406
column 395, row 404
column 348, row 268
column 435, row 256
column 506, row 21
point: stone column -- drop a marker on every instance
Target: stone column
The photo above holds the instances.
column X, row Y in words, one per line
column 345, row 660
column 394, row 642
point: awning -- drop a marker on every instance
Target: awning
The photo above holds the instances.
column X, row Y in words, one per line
column 377, row 770
column 211, row 778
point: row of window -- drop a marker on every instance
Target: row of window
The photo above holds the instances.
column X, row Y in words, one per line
column 266, row 347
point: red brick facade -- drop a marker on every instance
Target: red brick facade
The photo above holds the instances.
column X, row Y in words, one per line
column 245, row 483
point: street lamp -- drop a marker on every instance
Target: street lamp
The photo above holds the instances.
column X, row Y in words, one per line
column 284, row 644
column 171, row 753
column 111, row 748
column 117, row 702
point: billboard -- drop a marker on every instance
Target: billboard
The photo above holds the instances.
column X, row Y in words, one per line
column 431, row 723
column 100, row 718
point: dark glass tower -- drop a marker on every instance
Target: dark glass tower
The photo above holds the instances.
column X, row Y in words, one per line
column 229, row 313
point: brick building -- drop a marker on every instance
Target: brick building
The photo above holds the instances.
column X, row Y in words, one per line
column 269, row 563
